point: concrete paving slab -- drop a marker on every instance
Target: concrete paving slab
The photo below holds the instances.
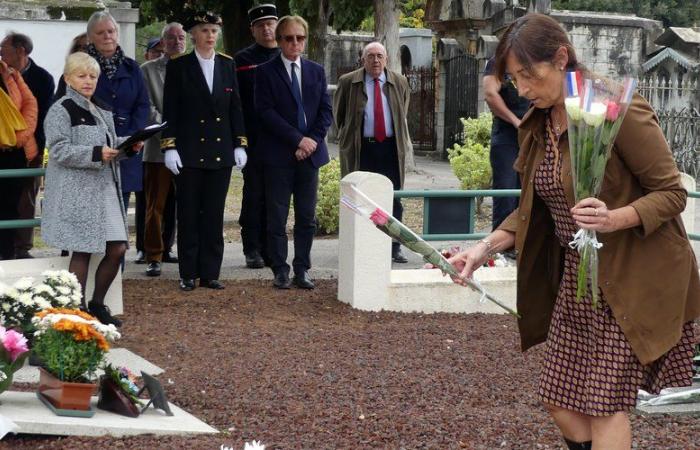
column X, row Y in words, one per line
column 115, row 356
column 32, row 417
column 680, row 409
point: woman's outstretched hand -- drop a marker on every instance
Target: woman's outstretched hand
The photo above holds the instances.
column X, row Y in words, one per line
column 467, row 261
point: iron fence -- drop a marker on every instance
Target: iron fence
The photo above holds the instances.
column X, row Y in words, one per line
column 461, row 95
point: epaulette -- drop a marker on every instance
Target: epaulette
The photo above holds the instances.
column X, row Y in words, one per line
column 225, row 55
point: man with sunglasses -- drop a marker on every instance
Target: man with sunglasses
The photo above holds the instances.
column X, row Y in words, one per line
column 263, row 21
column 294, row 108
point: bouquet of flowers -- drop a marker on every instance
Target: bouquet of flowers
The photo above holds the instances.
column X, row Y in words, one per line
column 358, row 202
column 70, row 343
column 119, row 392
column 21, row 301
column 13, row 352
column 595, row 109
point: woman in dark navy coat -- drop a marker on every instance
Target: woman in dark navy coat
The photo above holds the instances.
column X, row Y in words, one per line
column 204, row 139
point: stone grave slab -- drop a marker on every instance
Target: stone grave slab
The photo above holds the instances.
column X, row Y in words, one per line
column 679, row 409
column 115, row 356
column 32, row 417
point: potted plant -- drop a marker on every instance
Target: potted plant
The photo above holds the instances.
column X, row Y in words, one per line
column 13, row 352
column 118, row 392
column 71, row 345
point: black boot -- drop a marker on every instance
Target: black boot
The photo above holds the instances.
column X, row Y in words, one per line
column 578, row 445
column 103, row 314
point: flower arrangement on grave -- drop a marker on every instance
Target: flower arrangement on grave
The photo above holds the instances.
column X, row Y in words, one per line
column 119, row 392
column 21, row 301
column 71, row 343
column 13, row 352
column 595, row 109
column 359, row 203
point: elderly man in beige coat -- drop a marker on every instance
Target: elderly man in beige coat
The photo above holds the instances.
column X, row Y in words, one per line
column 370, row 109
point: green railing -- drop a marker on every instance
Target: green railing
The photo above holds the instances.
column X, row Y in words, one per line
column 21, row 173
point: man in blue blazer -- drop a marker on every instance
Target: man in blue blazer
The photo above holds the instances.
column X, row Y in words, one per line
column 295, row 111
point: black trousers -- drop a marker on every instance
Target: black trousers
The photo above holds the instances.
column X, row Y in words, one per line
column 502, row 157
column 201, row 196
column 253, row 218
column 11, row 189
column 281, row 183
column 383, row 158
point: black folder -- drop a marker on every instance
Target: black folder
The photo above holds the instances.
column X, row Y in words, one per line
column 142, row 135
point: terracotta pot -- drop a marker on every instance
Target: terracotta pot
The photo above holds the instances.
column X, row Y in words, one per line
column 63, row 394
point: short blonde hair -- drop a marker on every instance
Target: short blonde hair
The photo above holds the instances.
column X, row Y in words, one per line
column 80, row 61
column 288, row 20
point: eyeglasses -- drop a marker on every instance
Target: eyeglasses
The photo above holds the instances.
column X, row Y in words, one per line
column 292, row 38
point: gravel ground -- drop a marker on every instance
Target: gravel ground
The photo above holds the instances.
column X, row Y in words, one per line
column 300, row 370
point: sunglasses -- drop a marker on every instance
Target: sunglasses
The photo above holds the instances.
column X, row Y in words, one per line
column 292, row 38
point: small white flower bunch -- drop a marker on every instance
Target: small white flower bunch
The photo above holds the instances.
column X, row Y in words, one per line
column 48, row 320
column 17, row 303
column 255, row 445
column 60, row 289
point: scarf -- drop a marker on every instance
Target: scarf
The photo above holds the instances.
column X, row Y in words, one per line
column 110, row 65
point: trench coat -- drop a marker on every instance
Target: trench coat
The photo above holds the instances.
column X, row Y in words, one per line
column 73, row 211
column 349, row 107
column 648, row 274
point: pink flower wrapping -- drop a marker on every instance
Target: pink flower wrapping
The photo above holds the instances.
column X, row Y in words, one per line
column 379, row 217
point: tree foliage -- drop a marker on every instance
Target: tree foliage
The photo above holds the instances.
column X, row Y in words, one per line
column 677, row 13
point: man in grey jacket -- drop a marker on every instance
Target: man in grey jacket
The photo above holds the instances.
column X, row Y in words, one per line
column 370, row 108
column 159, row 186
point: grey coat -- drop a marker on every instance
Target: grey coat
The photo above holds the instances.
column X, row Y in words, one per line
column 154, row 76
column 74, row 213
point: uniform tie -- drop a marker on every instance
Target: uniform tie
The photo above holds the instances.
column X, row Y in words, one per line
column 379, row 129
column 296, row 93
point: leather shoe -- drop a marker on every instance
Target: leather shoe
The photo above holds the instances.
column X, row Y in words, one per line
column 103, row 314
column 211, row 284
column 169, row 257
column 398, row 257
column 153, row 269
column 253, row 260
column 303, row 280
column 187, row 284
column 282, row 281
column 140, row 257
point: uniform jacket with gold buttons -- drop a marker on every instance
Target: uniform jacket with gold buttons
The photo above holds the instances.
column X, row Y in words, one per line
column 205, row 127
column 648, row 274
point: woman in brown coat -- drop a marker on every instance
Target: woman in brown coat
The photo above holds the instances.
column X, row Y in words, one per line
column 641, row 335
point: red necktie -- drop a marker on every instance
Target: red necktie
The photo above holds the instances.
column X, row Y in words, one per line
column 379, row 130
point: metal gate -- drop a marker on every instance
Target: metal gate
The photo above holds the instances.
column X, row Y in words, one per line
column 421, row 111
column 461, row 95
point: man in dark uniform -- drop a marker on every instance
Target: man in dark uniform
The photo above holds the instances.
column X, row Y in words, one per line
column 263, row 21
column 507, row 108
column 204, row 139
column 15, row 50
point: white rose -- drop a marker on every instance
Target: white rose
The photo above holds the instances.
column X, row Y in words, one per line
column 573, row 107
column 596, row 116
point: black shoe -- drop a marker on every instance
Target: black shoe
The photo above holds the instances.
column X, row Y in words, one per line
column 23, row 254
column 153, row 269
column 169, row 257
column 140, row 257
column 211, row 284
column 65, row 253
column 303, row 280
column 103, row 314
column 398, row 257
column 253, row 260
column 282, row 281
column 187, row 284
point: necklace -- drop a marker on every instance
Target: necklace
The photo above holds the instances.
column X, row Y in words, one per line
column 557, row 125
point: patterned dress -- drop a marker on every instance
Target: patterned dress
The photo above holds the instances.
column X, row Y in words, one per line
column 589, row 365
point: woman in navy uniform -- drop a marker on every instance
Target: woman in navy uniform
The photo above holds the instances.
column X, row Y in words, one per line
column 204, row 139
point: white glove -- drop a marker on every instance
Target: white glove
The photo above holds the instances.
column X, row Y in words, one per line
column 240, row 156
column 172, row 161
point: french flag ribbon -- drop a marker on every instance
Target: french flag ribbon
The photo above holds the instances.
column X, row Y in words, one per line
column 628, row 90
column 572, row 83
column 587, row 95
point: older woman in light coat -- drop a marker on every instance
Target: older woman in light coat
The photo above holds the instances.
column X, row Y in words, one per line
column 83, row 208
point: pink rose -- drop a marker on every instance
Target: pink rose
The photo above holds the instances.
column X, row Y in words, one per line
column 379, row 217
column 15, row 344
column 613, row 111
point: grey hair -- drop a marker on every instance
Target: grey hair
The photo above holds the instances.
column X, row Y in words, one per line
column 168, row 27
column 364, row 50
column 19, row 40
column 99, row 16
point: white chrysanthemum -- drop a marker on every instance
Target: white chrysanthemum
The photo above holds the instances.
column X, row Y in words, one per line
column 108, row 331
column 255, row 445
column 42, row 303
column 12, row 293
column 26, row 299
column 596, row 115
column 6, row 306
column 3, row 377
column 64, row 290
column 24, row 284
